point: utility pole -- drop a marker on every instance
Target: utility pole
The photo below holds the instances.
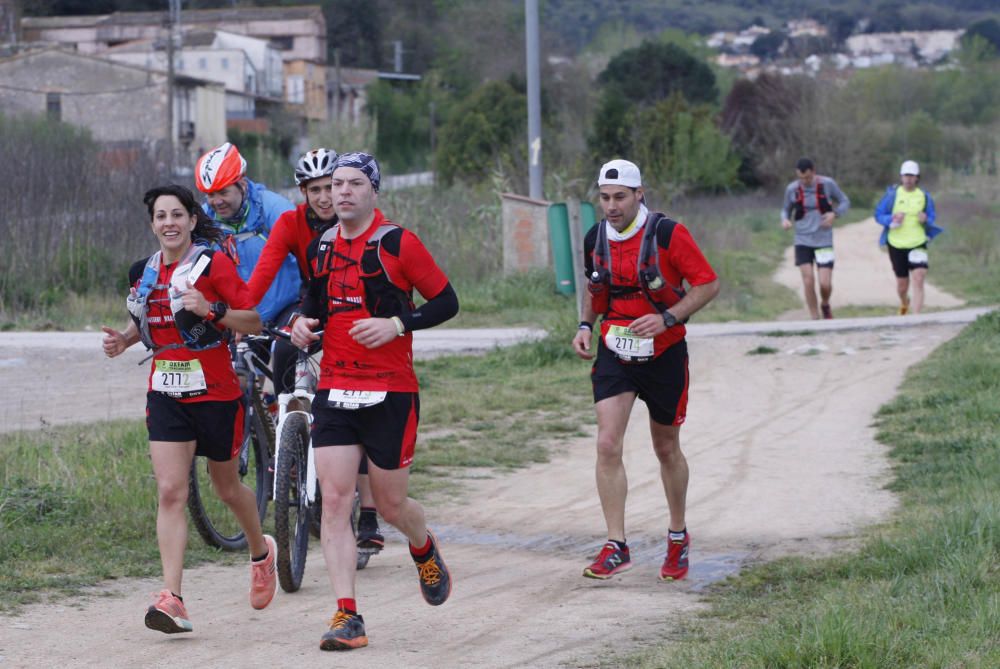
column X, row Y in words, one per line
column 534, row 101
column 173, row 31
column 397, row 55
column 337, row 85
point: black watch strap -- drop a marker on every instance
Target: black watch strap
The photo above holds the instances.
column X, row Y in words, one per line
column 219, row 309
column 669, row 319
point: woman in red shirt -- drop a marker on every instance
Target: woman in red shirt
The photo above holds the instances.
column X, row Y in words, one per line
column 183, row 300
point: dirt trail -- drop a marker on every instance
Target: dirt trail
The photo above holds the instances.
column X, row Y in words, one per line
column 862, row 275
column 783, row 460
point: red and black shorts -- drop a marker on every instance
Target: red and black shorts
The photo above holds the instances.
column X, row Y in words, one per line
column 216, row 427
column 905, row 261
column 662, row 383
column 386, row 431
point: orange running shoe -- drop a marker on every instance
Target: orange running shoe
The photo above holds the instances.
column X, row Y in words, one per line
column 347, row 631
column 435, row 579
column 263, row 577
column 167, row 614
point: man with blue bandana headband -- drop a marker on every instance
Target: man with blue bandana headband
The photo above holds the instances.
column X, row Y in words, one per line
column 367, row 403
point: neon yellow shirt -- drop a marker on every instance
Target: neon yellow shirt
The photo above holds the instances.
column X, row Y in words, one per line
column 911, row 233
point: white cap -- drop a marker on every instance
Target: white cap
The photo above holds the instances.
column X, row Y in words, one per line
column 620, row 173
column 910, row 167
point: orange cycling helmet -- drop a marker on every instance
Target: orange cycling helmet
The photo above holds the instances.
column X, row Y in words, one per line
column 220, row 167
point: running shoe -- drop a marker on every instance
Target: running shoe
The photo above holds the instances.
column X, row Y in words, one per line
column 827, row 312
column 369, row 536
column 610, row 561
column 347, row 631
column 904, row 308
column 675, row 566
column 167, row 614
column 263, row 577
column 435, row 580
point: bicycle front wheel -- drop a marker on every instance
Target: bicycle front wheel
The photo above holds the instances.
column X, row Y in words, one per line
column 291, row 510
column 211, row 517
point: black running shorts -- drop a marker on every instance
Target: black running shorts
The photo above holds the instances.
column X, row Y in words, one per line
column 662, row 383
column 387, row 431
column 217, row 427
column 806, row 255
column 904, row 261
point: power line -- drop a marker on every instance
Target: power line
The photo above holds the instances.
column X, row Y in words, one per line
column 21, row 89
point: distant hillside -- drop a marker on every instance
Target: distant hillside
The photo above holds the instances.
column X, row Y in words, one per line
column 579, row 21
column 364, row 38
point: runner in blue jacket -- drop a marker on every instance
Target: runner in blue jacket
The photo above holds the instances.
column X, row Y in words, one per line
column 908, row 218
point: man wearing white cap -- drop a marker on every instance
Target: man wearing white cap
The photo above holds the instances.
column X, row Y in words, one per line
column 637, row 262
column 906, row 214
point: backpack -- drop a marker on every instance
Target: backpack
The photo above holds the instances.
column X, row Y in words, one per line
column 657, row 291
column 197, row 333
column 822, row 200
column 383, row 298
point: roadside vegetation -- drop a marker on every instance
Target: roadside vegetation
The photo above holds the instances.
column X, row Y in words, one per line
column 924, row 589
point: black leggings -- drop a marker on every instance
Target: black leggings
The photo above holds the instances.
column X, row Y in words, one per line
column 282, row 354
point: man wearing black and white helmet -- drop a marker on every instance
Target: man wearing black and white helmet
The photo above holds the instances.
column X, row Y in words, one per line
column 291, row 234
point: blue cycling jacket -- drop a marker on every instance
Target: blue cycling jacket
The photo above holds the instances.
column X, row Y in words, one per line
column 245, row 239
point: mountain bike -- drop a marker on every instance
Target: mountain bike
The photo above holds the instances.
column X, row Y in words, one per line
column 298, row 501
column 211, row 517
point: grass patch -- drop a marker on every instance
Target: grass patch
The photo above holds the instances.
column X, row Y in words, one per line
column 965, row 259
column 762, row 350
column 78, row 506
column 923, row 591
column 528, row 299
column 790, row 333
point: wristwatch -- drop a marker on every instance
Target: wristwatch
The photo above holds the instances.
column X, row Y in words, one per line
column 218, row 311
column 669, row 320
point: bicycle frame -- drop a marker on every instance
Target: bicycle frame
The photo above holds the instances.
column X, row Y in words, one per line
column 300, row 401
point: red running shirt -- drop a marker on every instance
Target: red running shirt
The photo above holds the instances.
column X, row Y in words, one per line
column 682, row 261
column 348, row 365
column 291, row 234
column 220, row 283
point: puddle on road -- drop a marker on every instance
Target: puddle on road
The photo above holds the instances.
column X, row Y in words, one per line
column 706, row 569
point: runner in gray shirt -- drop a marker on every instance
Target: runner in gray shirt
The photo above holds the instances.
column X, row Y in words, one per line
column 812, row 202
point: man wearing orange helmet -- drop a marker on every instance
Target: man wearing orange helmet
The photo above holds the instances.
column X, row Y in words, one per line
column 246, row 212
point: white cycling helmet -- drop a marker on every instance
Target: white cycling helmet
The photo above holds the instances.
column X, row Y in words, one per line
column 314, row 164
column 909, row 167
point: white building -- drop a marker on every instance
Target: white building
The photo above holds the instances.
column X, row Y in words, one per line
column 929, row 46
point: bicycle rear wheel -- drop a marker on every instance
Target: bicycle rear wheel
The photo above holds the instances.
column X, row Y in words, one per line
column 291, row 511
column 211, row 517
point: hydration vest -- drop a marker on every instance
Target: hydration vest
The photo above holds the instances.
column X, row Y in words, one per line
column 383, row 298
column 197, row 333
column 822, row 201
column 658, row 292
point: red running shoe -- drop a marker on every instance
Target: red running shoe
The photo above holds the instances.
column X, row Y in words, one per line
column 610, row 561
column 675, row 566
column 167, row 614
